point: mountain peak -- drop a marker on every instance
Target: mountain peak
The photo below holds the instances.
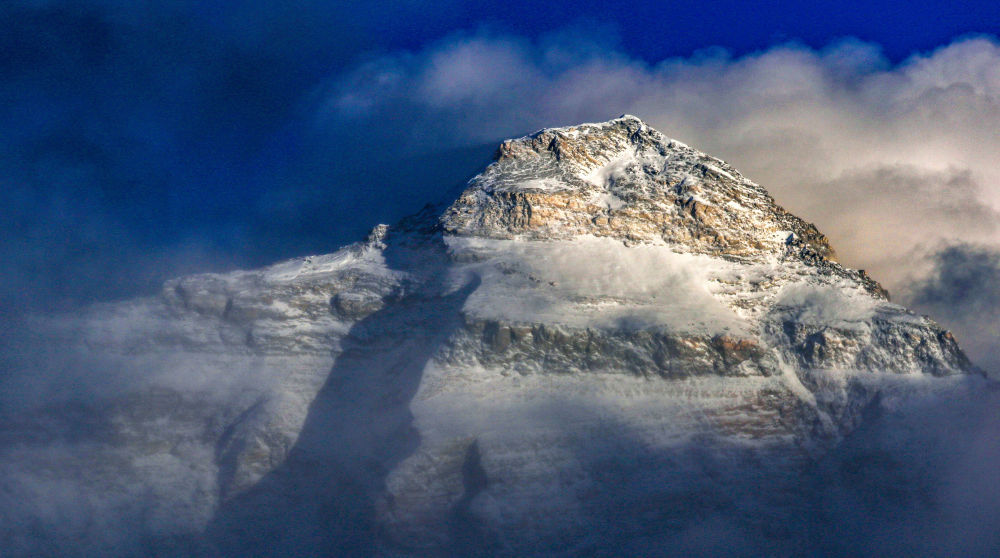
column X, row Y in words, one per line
column 623, row 179
column 626, row 120
column 630, row 117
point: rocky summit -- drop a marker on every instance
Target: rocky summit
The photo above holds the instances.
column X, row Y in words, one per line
column 608, row 343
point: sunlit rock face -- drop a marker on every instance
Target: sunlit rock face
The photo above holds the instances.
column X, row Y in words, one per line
column 624, row 180
column 609, row 341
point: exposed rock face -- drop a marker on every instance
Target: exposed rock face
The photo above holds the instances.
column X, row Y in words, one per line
column 627, row 181
column 592, row 345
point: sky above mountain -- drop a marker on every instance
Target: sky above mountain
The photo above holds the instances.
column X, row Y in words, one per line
column 147, row 140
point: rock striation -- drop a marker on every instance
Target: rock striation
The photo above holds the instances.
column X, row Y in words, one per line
column 595, row 346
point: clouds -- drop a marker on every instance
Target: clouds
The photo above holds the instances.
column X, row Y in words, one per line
column 893, row 162
column 962, row 290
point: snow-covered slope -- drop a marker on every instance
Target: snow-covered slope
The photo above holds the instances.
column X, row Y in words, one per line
column 597, row 342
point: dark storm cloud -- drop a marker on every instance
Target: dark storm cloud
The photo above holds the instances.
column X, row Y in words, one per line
column 963, row 292
column 965, row 278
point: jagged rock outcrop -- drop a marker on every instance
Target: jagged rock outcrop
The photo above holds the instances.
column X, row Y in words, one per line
column 597, row 339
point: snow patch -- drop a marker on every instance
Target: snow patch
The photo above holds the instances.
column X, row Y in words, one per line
column 609, row 200
column 604, row 175
column 717, row 170
column 543, row 184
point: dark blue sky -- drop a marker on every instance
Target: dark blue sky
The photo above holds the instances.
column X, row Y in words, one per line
column 142, row 140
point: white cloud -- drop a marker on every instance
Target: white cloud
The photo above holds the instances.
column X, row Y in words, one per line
column 471, row 69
